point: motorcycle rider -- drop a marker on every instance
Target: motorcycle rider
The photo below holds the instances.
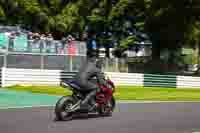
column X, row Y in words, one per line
column 85, row 79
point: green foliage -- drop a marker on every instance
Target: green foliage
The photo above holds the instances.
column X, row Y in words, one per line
column 191, row 59
column 2, row 14
column 119, row 9
column 168, row 22
column 193, row 35
column 125, row 43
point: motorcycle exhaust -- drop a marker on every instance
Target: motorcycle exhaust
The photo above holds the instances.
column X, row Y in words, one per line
column 75, row 107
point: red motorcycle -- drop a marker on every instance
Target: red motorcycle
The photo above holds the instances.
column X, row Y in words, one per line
column 69, row 105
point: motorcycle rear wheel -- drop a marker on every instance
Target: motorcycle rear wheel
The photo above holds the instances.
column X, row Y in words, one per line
column 63, row 104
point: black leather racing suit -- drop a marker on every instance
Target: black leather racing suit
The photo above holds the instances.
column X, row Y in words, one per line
column 85, row 78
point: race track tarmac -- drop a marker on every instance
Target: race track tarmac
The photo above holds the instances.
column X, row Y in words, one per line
column 127, row 118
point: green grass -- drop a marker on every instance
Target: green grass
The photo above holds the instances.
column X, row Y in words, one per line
column 126, row 92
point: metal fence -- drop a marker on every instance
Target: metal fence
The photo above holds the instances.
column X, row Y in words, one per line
column 39, row 54
column 41, row 61
column 19, row 52
column 55, row 62
column 35, row 56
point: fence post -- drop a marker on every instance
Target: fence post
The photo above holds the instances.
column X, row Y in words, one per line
column 5, row 60
column 70, row 63
column 107, row 64
column 42, row 62
column 116, row 65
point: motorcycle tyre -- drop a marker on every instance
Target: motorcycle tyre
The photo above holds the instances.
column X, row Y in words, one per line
column 61, row 106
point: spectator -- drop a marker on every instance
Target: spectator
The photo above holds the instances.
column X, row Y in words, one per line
column 42, row 42
column 92, row 45
column 11, row 41
column 30, row 36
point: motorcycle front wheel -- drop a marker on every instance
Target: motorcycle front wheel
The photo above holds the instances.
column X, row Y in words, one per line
column 108, row 109
column 63, row 104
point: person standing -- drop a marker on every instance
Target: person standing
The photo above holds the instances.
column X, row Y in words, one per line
column 92, row 45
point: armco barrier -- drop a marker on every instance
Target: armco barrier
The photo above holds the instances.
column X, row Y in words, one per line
column 154, row 80
column 135, row 79
column 10, row 76
column 188, row 82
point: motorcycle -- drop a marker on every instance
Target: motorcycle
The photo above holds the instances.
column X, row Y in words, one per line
column 67, row 106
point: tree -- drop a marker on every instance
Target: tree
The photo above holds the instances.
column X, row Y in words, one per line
column 169, row 23
column 2, row 15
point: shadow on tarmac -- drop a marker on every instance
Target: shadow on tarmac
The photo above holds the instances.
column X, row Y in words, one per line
column 84, row 116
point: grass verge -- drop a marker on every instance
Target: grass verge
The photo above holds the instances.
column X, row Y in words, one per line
column 125, row 92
